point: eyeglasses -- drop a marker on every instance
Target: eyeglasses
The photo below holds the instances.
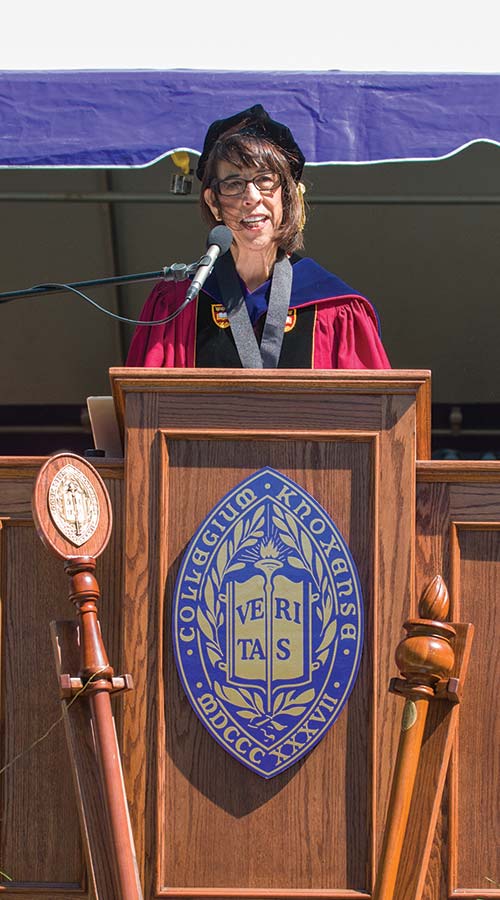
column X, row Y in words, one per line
column 234, row 186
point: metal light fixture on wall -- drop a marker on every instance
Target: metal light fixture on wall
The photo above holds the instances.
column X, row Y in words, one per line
column 182, row 183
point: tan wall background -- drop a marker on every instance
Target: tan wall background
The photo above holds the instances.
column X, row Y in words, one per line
column 422, row 240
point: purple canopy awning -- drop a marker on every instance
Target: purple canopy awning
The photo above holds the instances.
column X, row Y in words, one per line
column 133, row 118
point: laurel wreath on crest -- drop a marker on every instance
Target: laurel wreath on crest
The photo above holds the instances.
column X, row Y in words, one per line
column 245, row 535
column 309, row 559
column 249, row 703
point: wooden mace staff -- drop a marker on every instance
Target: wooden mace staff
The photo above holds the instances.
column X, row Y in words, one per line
column 73, row 517
column 425, row 659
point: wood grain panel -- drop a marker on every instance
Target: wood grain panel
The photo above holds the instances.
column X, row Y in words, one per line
column 396, row 553
column 16, row 498
column 125, row 381
column 244, row 410
column 302, row 385
column 17, row 477
column 457, row 472
column 438, row 738
column 141, row 725
column 205, row 826
column 37, row 793
column 476, row 760
column 79, row 736
column 38, row 788
column 474, row 501
column 433, row 534
column 458, row 510
column 223, row 813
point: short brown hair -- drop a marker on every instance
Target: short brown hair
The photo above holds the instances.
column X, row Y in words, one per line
column 244, row 150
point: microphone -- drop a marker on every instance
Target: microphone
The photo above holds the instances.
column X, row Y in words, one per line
column 218, row 242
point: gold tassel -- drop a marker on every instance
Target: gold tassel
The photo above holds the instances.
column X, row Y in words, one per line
column 301, row 189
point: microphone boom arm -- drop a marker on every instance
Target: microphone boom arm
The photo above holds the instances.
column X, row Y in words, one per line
column 175, row 272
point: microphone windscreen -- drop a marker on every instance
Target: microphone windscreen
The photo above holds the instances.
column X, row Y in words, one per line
column 222, row 237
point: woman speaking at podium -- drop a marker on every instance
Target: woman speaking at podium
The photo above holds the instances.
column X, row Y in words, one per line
column 262, row 306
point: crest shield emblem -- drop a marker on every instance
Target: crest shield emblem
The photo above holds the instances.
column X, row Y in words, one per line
column 268, row 622
column 73, row 505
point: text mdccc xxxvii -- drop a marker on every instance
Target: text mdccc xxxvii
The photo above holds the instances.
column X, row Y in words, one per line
column 268, row 622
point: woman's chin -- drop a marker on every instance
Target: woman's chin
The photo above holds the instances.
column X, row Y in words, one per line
column 263, row 241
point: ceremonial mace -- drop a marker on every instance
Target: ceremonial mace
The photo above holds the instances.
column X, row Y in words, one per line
column 73, row 517
column 426, row 659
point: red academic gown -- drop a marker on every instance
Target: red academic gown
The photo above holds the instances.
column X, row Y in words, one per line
column 329, row 326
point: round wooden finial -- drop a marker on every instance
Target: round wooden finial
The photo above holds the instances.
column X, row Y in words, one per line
column 71, row 507
column 435, row 601
column 425, row 657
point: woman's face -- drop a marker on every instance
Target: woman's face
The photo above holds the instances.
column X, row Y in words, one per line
column 254, row 216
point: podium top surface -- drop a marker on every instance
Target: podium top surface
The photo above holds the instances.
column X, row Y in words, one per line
column 384, row 381
column 300, row 382
column 340, row 377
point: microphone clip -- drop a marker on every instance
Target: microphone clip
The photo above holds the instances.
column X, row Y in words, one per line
column 179, row 271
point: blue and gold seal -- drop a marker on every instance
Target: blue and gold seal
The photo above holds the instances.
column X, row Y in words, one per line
column 268, row 622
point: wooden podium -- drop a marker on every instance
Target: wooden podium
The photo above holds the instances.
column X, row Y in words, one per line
column 205, row 826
